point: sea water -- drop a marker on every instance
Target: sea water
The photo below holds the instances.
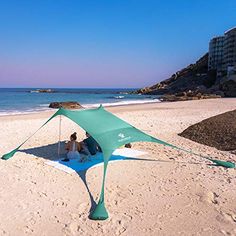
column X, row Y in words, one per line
column 29, row 100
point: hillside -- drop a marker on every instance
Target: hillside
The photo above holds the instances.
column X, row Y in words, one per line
column 186, row 79
column 193, row 82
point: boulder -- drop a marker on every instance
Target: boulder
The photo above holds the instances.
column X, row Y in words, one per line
column 191, row 93
column 66, row 105
column 181, row 94
column 170, row 98
column 208, row 96
column 143, row 90
column 220, row 93
column 213, row 89
column 217, row 131
column 187, row 96
column 229, row 88
column 201, row 89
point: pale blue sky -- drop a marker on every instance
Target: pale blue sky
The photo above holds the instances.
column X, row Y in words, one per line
column 105, row 43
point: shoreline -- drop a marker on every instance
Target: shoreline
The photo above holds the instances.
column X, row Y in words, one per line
column 86, row 106
column 120, row 107
column 19, row 101
column 51, row 111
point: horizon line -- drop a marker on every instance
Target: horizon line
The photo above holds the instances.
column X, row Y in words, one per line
column 69, row 87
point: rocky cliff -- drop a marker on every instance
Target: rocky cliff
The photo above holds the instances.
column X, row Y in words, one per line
column 195, row 80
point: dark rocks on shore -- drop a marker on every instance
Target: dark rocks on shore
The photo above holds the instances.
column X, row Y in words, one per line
column 218, row 131
column 186, row 96
column 66, row 105
column 229, row 87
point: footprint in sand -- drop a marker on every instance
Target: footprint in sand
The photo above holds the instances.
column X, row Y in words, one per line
column 83, row 207
column 42, row 194
column 120, row 223
column 224, row 218
column 30, row 220
column 27, row 229
column 3, row 232
column 72, row 229
column 33, row 218
column 119, row 193
column 209, row 197
column 23, row 205
column 59, row 202
column 233, row 216
column 228, row 233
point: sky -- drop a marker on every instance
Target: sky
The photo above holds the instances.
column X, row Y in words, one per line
column 105, row 43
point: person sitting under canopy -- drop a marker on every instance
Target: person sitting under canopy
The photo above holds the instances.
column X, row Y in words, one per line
column 73, row 148
column 90, row 146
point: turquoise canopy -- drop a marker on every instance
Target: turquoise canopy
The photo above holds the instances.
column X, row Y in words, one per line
column 110, row 132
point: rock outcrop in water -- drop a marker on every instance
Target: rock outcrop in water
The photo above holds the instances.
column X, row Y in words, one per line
column 66, row 105
column 42, row 91
column 218, row 131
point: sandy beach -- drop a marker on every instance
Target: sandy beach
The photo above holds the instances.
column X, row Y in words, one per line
column 174, row 194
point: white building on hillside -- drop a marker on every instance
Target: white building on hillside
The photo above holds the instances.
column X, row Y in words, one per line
column 222, row 53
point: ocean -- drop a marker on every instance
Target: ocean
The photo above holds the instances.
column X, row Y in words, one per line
column 29, row 100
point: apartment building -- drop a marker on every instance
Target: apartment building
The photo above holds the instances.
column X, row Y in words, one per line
column 222, row 52
column 215, row 60
column 229, row 50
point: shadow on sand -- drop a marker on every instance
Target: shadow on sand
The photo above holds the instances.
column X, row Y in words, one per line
column 50, row 152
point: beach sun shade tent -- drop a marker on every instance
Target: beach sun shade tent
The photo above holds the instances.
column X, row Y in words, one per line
column 111, row 133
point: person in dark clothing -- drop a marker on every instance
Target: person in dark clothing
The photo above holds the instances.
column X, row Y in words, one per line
column 90, row 145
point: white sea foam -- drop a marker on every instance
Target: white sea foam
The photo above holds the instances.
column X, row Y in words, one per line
column 122, row 103
column 44, row 107
column 27, row 111
column 119, row 97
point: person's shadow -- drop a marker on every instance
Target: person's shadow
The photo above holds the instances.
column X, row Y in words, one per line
column 50, row 152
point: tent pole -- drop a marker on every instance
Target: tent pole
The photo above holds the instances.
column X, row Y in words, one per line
column 59, row 138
